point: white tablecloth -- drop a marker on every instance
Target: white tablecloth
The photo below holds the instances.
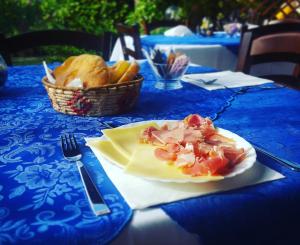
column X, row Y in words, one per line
column 154, row 226
column 215, row 56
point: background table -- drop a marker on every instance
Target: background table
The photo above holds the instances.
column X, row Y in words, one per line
column 42, row 198
column 218, row 51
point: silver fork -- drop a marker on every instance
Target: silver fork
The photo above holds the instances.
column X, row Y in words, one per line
column 72, row 153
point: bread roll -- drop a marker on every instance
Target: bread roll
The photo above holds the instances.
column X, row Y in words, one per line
column 91, row 69
column 130, row 73
column 61, row 72
column 118, row 70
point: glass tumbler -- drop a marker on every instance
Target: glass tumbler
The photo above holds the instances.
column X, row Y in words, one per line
column 167, row 77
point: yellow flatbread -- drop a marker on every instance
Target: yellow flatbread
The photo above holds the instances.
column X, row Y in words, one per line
column 144, row 163
column 126, row 139
column 109, row 152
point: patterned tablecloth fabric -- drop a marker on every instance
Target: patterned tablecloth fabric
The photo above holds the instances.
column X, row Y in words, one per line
column 230, row 42
column 42, row 198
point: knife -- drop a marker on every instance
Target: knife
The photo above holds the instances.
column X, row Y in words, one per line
column 96, row 201
column 291, row 165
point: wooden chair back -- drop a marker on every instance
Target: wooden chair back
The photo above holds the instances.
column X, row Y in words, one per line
column 272, row 43
column 133, row 32
column 102, row 45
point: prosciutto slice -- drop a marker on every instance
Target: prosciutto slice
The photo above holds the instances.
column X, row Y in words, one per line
column 194, row 146
column 169, row 136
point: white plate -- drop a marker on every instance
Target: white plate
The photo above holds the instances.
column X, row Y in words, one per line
column 238, row 169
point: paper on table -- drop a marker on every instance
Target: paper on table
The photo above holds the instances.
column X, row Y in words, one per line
column 48, row 72
column 76, row 82
column 224, row 78
column 140, row 193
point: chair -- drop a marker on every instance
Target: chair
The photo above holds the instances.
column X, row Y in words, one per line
column 102, row 45
column 148, row 27
column 268, row 44
column 132, row 31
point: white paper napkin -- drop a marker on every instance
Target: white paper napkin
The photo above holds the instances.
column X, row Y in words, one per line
column 228, row 79
column 76, row 82
column 179, row 31
column 140, row 193
column 48, row 72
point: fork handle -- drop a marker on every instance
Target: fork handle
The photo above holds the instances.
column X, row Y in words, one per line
column 96, row 201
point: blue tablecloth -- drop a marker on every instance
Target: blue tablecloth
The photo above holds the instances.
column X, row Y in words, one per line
column 229, row 42
column 42, row 198
column 267, row 213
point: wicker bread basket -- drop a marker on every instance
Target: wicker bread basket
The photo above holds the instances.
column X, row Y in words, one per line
column 106, row 100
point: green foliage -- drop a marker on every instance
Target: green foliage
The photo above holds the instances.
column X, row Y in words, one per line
column 50, row 53
column 18, row 15
column 146, row 10
column 60, row 53
column 86, row 15
column 96, row 16
column 93, row 16
column 195, row 10
column 192, row 11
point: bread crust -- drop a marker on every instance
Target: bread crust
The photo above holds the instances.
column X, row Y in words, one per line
column 61, row 71
column 117, row 71
column 91, row 69
column 130, row 73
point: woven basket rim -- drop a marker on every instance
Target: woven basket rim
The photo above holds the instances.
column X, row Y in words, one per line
column 138, row 79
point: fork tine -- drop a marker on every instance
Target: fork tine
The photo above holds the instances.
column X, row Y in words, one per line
column 69, row 142
column 66, row 142
column 73, row 141
column 63, row 142
column 69, row 145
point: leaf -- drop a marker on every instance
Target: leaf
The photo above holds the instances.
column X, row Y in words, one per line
column 11, row 225
column 12, row 172
column 52, row 194
column 25, row 207
column 38, row 196
column 6, row 225
column 68, row 197
column 43, row 228
column 38, row 205
column 18, row 191
column 42, row 190
column 50, row 201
